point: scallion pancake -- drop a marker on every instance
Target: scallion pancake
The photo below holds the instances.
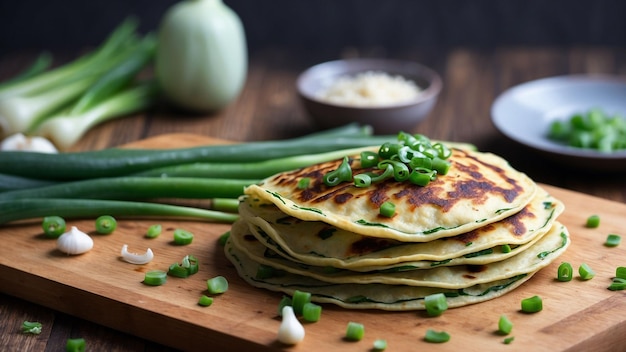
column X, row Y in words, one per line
column 479, row 188
column 537, row 256
column 320, row 244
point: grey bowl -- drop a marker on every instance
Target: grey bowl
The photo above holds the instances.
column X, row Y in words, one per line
column 384, row 119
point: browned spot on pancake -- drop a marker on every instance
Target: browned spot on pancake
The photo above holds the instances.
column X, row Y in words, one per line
column 343, row 197
column 468, row 276
column 476, row 268
column 471, row 236
column 368, row 245
column 516, row 221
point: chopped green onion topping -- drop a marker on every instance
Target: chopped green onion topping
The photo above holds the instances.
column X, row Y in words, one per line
column 505, row 248
column 435, row 304
column 593, row 221
column 585, row 272
column 265, row 272
column 620, row 272
column 387, row 209
column 154, row 231
column 618, row 284
column 533, row 304
column 355, row 331
column 565, row 272
column 299, row 299
column 304, row 183
column 223, row 238
column 105, row 224
column 205, row 301
column 285, row 301
column 379, row 345
column 436, row 336
column 217, row 285
column 311, row 312
column 505, row 326
column 593, row 129
column 613, row 240
column 155, row 278
column 53, row 226
column 413, row 158
column 508, row 340
column 75, row 345
column 31, row 327
column 188, row 266
column 182, row 237
column 177, row 270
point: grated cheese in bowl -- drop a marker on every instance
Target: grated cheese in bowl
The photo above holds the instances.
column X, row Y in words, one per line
column 370, row 88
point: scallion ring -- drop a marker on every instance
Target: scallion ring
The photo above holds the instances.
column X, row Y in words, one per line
column 182, row 237
column 53, row 226
column 105, row 224
column 155, row 278
column 342, row 174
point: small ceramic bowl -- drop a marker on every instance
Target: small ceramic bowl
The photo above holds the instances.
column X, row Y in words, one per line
column 385, row 119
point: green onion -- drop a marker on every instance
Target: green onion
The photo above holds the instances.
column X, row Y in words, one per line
column 228, row 205
column 508, row 340
column 435, row 304
column 613, row 240
column 618, row 284
column 177, row 270
column 341, row 174
column 299, row 299
column 362, row 180
column 585, row 272
column 182, row 237
column 436, row 336
column 620, row 272
column 565, row 272
column 593, row 221
column 187, row 267
column 53, row 226
column 154, row 231
column 369, row 159
column 387, row 209
column 75, row 345
column 311, row 312
column 285, row 301
column 379, row 345
column 205, row 301
column 155, row 278
column 105, row 224
column 505, row 248
column 223, row 238
column 217, row 285
column 265, row 272
column 355, row 331
column 304, row 182
column 41, row 64
column 505, row 326
column 31, row 327
column 593, row 129
column 533, row 304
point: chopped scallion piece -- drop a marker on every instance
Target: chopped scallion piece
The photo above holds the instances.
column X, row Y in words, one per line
column 299, row 299
column 31, row 327
column 369, row 159
column 362, row 180
column 285, row 301
column 217, row 285
column 533, row 304
column 223, row 238
column 505, row 326
column 435, row 304
column 387, row 209
column 177, row 270
column 436, row 336
column 620, row 272
column 154, row 231
column 506, row 248
column 379, row 345
column 613, row 240
column 355, row 331
column 593, row 221
column 618, row 284
column 265, row 272
column 585, row 272
column 508, row 340
column 105, row 224
column 155, row 278
column 205, row 301
column 53, row 226
column 311, row 312
column 75, row 345
column 304, row 183
column 182, row 237
column 565, row 272
column 342, row 174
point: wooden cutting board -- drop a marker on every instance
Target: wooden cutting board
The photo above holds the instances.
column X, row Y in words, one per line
column 99, row 286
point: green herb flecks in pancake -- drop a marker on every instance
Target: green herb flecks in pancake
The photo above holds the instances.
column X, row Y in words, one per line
column 479, row 188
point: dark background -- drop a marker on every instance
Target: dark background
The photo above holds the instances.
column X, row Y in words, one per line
column 333, row 24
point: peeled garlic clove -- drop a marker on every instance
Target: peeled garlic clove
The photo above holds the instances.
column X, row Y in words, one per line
column 135, row 258
column 20, row 142
column 74, row 242
column 291, row 331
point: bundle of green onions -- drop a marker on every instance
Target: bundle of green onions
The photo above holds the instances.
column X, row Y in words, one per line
column 140, row 182
column 64, row 102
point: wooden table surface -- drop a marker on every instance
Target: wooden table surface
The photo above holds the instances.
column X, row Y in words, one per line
column 269, row 108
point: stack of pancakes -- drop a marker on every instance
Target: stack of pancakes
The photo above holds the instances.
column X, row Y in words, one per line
column 473, row 234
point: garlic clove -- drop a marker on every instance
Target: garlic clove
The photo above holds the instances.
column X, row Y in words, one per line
column 74, row 242
column 136, row 258
column 19, row 142
column 291, row 330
